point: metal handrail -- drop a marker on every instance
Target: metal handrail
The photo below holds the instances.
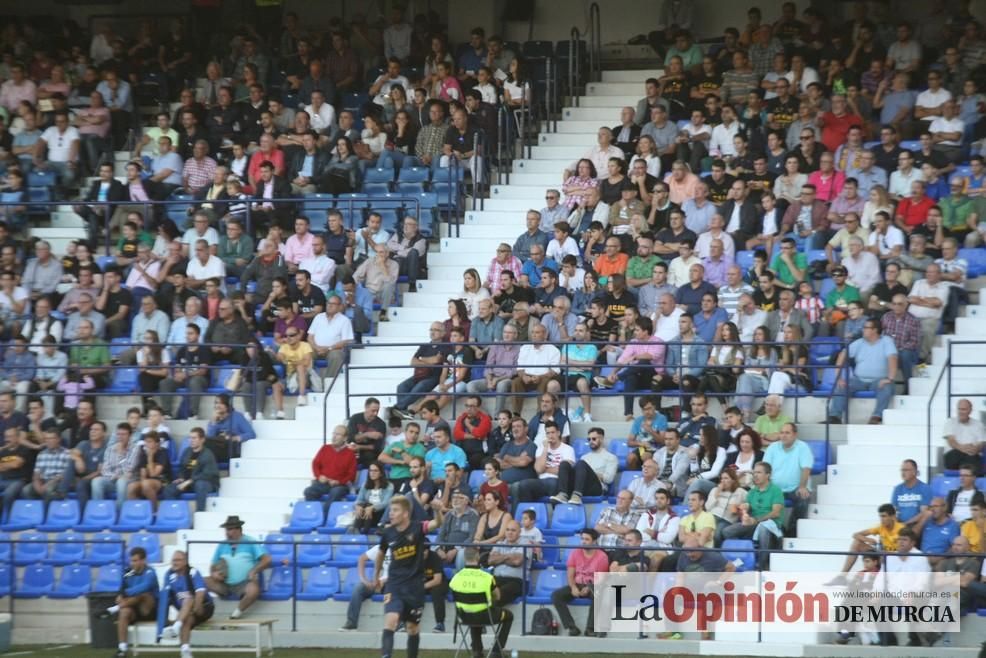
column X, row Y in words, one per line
column 595, row 42
column 931, row 401
column 574, row 66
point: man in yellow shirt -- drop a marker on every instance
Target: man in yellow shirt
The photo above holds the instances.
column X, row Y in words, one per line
column 698, row 524
column 974, row 528
column 881, row 538
column 297, row 356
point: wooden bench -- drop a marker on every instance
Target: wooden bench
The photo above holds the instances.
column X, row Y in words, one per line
column 238, row 625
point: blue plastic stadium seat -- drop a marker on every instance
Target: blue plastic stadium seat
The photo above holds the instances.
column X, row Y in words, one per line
column 24, row 514
column 976, row 259
column 149, row 542
column 279, row 585
column 740, row 549
column 626, row 477
column 171, row 515
column 5, row 576
column 75, row 581
column 547, row 582
column 820, row 452
column 410, row 189
column 824, row 349
column 108, row 578
column 105, row 548
column 549, row 553
column 375, row 189
column 38, row 580
column 305, row 517
column 540, row 510
column 124, row 380
column 350, row 582
column 31, row 547
column 349, row 549
column 67, row 548
column 134, row 515
column 414, row 175
column 336, row 510
column 314, row 550
column 219, row 378
column 476, row 479
column 566, row 519
column 62, row 515
column 379, row 175
column 911, row 144
column 6, row 547
column 39, row 178
column 619, row 448
column 322, row 583
column 744, row 259
column 941, row 485
column 280, row 545
column 581, row 447
column 681, row 510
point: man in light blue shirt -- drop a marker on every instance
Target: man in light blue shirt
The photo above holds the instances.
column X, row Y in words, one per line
column 192, row 307
column 166, row 168
column 368, row 236
column 444, row 453
column 868, row 174
column 237, row 565
column 150, row 318
column 559, row 320
column 699, row 211
column 577, row 359
column 791, row 461
column 875, row 369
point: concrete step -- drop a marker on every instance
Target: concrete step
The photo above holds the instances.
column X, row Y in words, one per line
column 861, row 514
column 613, row 104
column 529, row 193
column 543, row 179
column 622, row 88
column 889, row 454
column 561, row 152
column 492, row 232
column 266, row 506
column 450, row 272
column 854, row 494
column 287, row 467
column 382, row 356
column 275, row 428
column 544, row 165
column 843, row 473
column 480, row 248
column 637, row 76
column 280, row 487
column 827, row 528
column 516, row 206
column 412, row 314
column 888, row 435
column 567, row 138
column 608, row 115
column 793, row 562
column 435, row 284
column 585, row 127
column 274, row 448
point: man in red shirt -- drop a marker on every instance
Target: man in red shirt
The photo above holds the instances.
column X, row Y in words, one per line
column 471, row 429
column 912, row 211
column 836, row 124
column 334, row 468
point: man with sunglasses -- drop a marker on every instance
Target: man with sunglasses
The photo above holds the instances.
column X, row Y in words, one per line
column 297, row 357
column 553, row 212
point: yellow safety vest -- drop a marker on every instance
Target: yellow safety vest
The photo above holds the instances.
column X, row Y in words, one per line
column 473, row 580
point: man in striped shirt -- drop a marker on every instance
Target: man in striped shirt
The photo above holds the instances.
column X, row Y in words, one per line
column 905, row 330
column 199, row 169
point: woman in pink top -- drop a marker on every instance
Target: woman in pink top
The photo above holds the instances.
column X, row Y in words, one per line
column 576, row 186
column 582, row 564
column 681, row 182
column 448, row 86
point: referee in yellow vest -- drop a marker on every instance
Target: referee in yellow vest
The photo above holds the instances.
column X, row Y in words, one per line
column 473, row 580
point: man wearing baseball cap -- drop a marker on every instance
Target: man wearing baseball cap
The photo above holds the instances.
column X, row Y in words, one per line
column 237, row 565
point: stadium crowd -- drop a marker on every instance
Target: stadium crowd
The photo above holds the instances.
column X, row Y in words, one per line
column 798, row 180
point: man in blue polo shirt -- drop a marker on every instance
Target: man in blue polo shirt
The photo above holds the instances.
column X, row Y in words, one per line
column 237, row 565
column 137, row 600
column 938, row 531
column 444, row 453
column 911, row 497
column 791, row 460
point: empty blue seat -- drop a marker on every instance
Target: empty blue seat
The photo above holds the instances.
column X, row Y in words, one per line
column 376, row 188
column 549, row 553
column 819, row 451
column 911, row 145
column 322, row 583
column 626, row 477
column 38, row 580
column 6, row 547
column 447, row 195
column 75, row 581
column 105, row 548
column 305, row 517
column 942, row 484
column 124, row 380
column 67, row 548
column 31, row 547
column 581, row 447
column 742, row 550
column 476, row 479
column 280, row 585
column 824, row 349
column 134, row 515
column 148, row 542
column 108, row 578
column 5, row 580
column 378, row 175
column 566, row 519
column 314, row 550
column 219, row 378
column 619, row 448
column 171, row 515
column 547, row 582
column 540, row 510
column 24, row 515
column 348, row 549
column 410, row 189
column 62, row 515
column 976, row 259
column 744, row 259
column 280, row 545
column 413, row 175
column 39, row 178
column 336, row 510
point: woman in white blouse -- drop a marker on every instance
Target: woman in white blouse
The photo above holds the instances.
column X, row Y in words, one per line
column 707, row 462
column 647, row 151
column 473, row 291
column 724, row 501
column 788, row 185
column 878, row 200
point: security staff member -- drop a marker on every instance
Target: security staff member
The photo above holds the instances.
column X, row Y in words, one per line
column 473, row 580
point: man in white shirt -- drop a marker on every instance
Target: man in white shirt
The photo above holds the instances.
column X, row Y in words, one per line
column 927, row 303
column 886, row 241
column 323, row 115
column 368, row 237
column 907, row 569
column 329, row 334
column 907, row 173
column 58, row 149
column 200, row 230
column 703, row 246
column 931, row 102
column 320, row 266
column 537, row 366
column 947, row 130
column 748, row 317
column 679, row 268
column 721, row 144
column 862, row 266
column 734, row 288
column 965, row 437
column 666, row 318
column 204, row 266
column 600, row 154
column 380, row 89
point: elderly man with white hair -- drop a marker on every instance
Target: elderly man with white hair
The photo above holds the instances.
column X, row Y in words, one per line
column 928, row 299
column 862, row 266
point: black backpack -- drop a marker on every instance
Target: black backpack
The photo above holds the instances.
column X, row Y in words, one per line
column 542, row 622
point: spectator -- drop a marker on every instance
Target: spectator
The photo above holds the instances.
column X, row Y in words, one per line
column 58, row 150
column 51, row 476
column 118, row 467
column 227, row 333
column 537, row 366
column 266, row 267
column 190, row 371
column 379, row 275
column 590, row 476
column 791, row 460
column 547, row 464
column 365, row 432
column 236, row 566
column 582, row 565
column 92, row 358
column 658, row 527
column 153, row 470
column 18, row 370
column 938, row 532
column 507, row 559
column 153, row 362
column 444, row 453
column 298, row 359
column 875, row 369
column 138, row 597
column 965, row 437
column 227, row 430
column 807, row 219
column 709, row 460
column 372, row 500
column 15, row 466
column 197, row 471
column 493, row 522
column 471, row 430
column 928, row 299
column 329, row 335
column 974, row 528
column 458, row 527
column 455, row 373
column 698, row 525
column 87, row 460
column 761, row 514
column 410, row 250
column 516, row 457
column 42, row 273
column 400, row 456
column 971, row 589
column 235, row 249
column 616, row 521
column 642, row 360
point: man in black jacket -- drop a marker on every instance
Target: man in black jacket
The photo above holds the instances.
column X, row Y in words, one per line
column 627, row 134
column 482, row 116
column 197, row 472
column 740, row 214
column 266, row 212
column 308, row 166
column 106, row 189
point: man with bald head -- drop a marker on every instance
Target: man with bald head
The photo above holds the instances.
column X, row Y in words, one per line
column 90, row 355
column 184, row 588
column 627, row 134
column 972, row 588
column 426, row 363
column 730, row 292
column 538, row 365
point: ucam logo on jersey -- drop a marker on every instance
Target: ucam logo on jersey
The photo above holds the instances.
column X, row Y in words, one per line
column 777, row 602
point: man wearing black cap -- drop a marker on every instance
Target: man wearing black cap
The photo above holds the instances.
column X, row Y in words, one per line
column 237, row 565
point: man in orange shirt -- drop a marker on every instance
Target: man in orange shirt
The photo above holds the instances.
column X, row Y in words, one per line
column 613, row 261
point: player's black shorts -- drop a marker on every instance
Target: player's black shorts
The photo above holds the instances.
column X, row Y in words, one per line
column 406, row 600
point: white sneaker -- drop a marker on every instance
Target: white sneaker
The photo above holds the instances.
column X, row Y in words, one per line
column 576, row 416
column 236, row 614
column 169, row 632
column 302, row 400
column 279, row 415
column 586, row 418
column 259, row 416
column 186, row 653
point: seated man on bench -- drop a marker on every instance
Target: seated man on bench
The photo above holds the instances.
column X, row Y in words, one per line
column 237, row 565
column 184, row 588
column 137, row 600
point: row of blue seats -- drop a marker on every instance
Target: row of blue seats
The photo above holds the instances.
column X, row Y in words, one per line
column 944, row 483
column 71, row 547
column 98, row 515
